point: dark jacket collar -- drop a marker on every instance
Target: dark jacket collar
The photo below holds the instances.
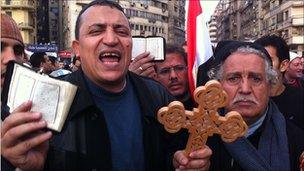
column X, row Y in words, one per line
column 84, row 100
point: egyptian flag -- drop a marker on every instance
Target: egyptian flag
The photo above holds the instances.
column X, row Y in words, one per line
column 198, row 41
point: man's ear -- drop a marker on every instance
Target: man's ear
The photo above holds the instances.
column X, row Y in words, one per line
column 75, row 46
column 284, row 65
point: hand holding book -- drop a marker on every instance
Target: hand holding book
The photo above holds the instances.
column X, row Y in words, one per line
column 154, row 45
column 49, row 96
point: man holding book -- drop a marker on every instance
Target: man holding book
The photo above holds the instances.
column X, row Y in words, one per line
column 111, row 124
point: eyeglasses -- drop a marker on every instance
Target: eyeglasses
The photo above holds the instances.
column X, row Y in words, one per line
column 177, row 69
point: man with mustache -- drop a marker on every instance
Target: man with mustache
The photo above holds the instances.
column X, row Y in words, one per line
column 173, row 74
column 271, row 143
column 112, row 123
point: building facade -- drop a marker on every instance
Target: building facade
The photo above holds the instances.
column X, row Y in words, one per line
column 25, row 14
column 147, row 18
column 54, row 21
column 212, row 25
column 250, row 19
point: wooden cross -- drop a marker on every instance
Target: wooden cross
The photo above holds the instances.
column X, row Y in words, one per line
column 204, row 120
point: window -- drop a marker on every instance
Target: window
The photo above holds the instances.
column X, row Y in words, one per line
column 9, row 13
column 7, row 2
column 280, row 17
column 286, row 15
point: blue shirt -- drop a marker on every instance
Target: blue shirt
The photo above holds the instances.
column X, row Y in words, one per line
column 124, row 122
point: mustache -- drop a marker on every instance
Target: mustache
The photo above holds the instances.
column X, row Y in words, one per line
column 173, row 81
column 242, row 98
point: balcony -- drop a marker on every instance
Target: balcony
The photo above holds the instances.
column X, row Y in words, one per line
column 265, row 3
column 297, row 40
column 297, row 3
column 298, row 21
column 25, row 26
column 29, row 5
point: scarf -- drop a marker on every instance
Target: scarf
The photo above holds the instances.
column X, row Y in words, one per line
column 272, row 152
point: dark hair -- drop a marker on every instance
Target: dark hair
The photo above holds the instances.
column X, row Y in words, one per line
column 93, row 3
column 37, row 58
column 170, row 48
column 278, row 43
column 53, row 59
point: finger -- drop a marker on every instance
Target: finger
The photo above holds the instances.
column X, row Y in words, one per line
column 16, row 119
column 197, row 164
column 140, row 56
column 142, row 61
column 180, row 158
column 206, row 152
column 148, row 72
column 24, row 107
column 148, row 65
column 25, row 146
column 11, row 137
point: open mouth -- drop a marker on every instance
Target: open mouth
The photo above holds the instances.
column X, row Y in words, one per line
column 110, row 57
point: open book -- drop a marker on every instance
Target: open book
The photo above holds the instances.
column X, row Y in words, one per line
column 51, row 97
column 155, row 45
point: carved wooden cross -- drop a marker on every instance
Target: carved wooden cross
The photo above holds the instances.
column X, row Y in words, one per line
column 204, row 120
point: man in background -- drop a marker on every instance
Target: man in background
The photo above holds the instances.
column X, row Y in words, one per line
column 12, row 47
column 289, row 99
column 294, row 71
column 41, row 63
column 173, row 74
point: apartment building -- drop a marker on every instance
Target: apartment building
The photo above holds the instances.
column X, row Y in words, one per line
column 250, row 19
column 147, row 18
column 212, row 25
column 285, row 18
column 53, row 21
column 24, row 13
column 176, row 20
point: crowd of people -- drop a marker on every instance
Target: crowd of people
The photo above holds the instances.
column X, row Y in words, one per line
column 112, row 122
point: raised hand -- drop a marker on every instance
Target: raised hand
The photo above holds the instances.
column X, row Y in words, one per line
column 23, row 142
column 143, row 65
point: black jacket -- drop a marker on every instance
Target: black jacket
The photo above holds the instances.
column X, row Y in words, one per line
column 84, row 143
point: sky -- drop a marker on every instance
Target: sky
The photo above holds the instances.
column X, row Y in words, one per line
column 208, row 7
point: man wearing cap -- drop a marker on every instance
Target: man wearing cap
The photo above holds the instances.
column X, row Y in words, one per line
column 294, row 71
column 282, row 94
column 12, row 47
column 271, row 143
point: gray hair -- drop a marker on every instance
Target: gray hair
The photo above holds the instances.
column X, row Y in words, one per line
column 271, row 74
